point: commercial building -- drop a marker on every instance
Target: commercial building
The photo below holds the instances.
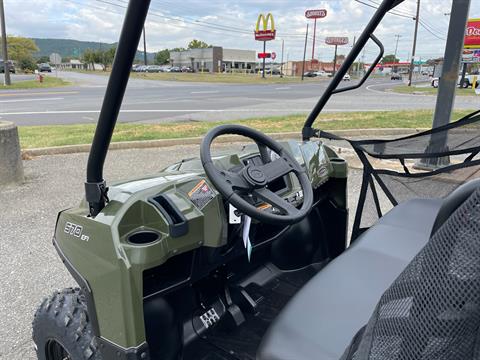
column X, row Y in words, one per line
column 215, row 59
column 294, row 68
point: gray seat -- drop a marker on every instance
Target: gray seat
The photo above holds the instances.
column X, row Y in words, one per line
column 321, row 320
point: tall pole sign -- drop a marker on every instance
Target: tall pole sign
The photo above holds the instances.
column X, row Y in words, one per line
column 336, row 41
column 265, row 33
column 315, row 14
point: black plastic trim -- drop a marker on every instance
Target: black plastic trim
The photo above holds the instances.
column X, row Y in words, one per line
column 110, row 351
column 177, row 222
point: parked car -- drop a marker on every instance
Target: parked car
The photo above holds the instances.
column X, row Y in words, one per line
column 321, row 73
column 310, row 74
column 44, row 67
column 187, row 69
column 154, row 69
column 11, row 67
column 346, row 77
column 396, row 76
column 175, row 69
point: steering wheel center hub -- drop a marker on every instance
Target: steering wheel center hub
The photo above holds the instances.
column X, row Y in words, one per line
column 255, row 176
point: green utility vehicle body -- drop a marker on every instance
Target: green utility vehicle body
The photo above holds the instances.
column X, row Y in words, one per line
column 150, row 220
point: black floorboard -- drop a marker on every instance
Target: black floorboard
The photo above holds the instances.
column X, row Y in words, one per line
column 242, row 343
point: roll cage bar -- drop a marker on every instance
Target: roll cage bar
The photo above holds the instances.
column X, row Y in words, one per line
column 96, row 190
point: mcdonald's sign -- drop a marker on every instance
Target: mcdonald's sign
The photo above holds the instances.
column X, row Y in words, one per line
column 262, row 31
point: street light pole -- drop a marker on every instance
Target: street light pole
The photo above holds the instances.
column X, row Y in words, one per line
column 412, row 64
column 396, row 49
column 6, row 78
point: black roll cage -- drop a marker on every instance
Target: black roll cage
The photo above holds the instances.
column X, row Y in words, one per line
column 96, row 190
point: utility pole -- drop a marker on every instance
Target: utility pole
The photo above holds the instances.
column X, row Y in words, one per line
column 305, row 54
column 448, row 82
column 412, row 64
column 396, row 50
column 6, row 78
column 145, row 48
column 281, row 66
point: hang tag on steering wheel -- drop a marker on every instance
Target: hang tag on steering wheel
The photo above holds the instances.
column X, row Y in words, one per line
column 247, row 221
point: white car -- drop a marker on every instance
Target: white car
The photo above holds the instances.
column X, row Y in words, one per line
column 321, row 73
column 346, row 77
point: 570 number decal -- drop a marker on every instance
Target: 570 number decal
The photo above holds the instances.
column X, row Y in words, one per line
column 75, row 230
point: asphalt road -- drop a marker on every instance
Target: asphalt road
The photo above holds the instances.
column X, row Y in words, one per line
column 29, row 265
column 150, row 101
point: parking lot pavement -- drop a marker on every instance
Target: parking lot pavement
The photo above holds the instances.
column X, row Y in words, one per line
column 29, row 265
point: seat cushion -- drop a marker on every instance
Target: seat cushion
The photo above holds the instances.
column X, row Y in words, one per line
column 321, row 320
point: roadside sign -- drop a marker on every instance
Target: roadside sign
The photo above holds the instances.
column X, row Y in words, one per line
column 274, row 55
column 471, row 56
column 262, row 31
column 338, row 41
column 264, row 55
column 316, row 14
column 472, row 34
column 55, row 59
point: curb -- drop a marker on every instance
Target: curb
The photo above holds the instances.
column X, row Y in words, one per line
column 146, row 144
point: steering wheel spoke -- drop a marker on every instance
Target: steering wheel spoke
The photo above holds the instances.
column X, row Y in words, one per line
column 276, row 169
column 236, row 181
column 276, row 201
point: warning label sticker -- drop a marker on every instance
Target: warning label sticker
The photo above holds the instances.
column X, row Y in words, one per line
column 201, row 194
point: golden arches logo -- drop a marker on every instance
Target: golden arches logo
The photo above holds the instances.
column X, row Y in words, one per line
column 262, row 32
column 265, row 20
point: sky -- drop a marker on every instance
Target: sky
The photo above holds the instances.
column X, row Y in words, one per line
column 230, row 24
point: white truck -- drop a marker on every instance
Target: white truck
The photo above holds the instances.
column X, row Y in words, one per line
column 468, row 82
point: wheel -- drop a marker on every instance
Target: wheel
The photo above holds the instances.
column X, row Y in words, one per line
column 466, row 84
column 61, row 328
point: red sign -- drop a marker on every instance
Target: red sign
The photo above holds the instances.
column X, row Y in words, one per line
column 262, row 30
column 316, row 14
column 472, row 35
column 264, row 55
column 265, row 35
column 274, row 55
column 336, row 40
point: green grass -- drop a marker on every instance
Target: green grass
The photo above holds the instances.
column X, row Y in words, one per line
column 48, row 82
column 58, row 135
column 404, row 89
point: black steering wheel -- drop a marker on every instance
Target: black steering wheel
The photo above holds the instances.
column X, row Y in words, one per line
column 252, row 181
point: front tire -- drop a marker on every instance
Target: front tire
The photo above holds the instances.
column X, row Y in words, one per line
column 61, row 328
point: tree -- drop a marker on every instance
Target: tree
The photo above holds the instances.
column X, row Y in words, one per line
column 388, row 59
column 91, row 57
column 162, row 57
column 21, row 48
column 27, row 64
column 107, row 57
column 43, row 59
column 198, row 44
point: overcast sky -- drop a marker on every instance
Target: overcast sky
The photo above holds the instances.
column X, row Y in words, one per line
column 230, row 24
